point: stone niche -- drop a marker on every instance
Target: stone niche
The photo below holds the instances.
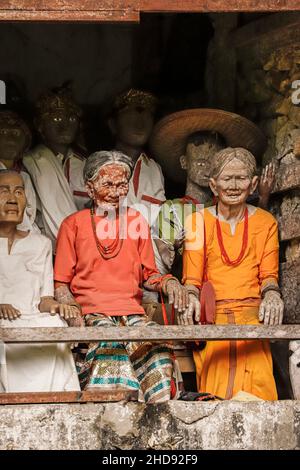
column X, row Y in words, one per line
column 268, row 68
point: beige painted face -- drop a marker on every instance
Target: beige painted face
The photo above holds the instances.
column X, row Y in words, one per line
column 12, row 198
column 234, row 184
column 196, row 161
column 111, row 183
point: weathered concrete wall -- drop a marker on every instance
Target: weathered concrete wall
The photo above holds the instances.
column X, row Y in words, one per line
column 176, row 425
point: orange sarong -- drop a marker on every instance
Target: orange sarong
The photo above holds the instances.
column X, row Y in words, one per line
column 224, row 368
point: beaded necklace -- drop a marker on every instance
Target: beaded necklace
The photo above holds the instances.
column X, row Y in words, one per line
column 224, row 254
column 108, row 251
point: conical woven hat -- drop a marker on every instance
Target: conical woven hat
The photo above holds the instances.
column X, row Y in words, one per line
column 169, row 137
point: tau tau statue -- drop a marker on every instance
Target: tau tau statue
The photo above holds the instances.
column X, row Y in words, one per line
column 184, row 143
column 26, row 301
column 55, row 166
column 131, row 122
column 15, row 139
column 232, row 263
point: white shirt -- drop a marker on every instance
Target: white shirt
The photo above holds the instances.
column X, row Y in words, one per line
column 59, row 186
column 146, row 188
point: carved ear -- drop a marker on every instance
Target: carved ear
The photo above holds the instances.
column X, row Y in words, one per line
column 183, row 162
column 213, row 186
column 90, row 189
column 112, row 125
column 254, row 184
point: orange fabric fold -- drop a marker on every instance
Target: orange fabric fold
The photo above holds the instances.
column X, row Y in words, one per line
column 224, row 368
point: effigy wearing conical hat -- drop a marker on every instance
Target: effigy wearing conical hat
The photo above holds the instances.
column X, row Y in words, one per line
column 169, row 138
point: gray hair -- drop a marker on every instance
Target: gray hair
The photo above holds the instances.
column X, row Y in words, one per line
column 105, row 157
column 225, row 156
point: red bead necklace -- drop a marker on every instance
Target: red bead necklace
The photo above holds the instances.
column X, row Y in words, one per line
column 224, row 254
column 106, row 251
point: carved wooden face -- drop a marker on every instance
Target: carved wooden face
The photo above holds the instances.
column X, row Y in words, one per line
column 59, row 127
column 234, row 184
column 12, row 142
column 196, row 161
column 133, row 125
column 111, row 183
column 12, row 198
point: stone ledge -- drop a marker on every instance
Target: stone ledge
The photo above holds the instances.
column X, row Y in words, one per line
column 174, row 425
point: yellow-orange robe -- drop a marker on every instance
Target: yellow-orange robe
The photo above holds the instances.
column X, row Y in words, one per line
column 227, row 367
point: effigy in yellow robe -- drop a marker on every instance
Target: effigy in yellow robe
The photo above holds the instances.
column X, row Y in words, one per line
column 224, row 368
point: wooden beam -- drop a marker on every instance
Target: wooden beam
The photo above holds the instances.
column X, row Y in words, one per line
column 69, row 10
column 155, row 333
column 68, row 397
column 67, row 5
column 218, row 5
column 270, row 25
column 104, row 16
column 127, row 10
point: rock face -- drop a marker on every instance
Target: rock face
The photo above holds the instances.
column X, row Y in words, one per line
column 268, row 93
column 290, row 285
column 175, row 425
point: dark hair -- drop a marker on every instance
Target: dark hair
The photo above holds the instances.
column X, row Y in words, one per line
column 202, row 137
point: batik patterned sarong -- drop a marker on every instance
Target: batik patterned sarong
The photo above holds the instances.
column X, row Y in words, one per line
column 145, row 367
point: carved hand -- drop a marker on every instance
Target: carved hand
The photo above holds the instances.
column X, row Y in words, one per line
column 49, row 304
column 271, row 309
column 266, row 183
column 177, row 294
column 8, row 312
column 193, row 310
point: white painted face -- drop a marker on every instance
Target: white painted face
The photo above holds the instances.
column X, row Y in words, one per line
column 234, row 184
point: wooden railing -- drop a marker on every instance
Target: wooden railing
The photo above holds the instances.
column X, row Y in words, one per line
column 154, row 333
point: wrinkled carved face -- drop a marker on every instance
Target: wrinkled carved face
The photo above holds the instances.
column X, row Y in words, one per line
column 133, row 125
column 59, row 127
column 111, row 183
column 12, row 142
column 196, row 161
column 234, row 184
column 12, row 198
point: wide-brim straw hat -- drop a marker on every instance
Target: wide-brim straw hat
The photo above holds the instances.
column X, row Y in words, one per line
column 170, row 134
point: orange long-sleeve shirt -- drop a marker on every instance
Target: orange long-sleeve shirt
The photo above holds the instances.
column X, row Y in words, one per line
column 113, row 286
column 259, row 264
